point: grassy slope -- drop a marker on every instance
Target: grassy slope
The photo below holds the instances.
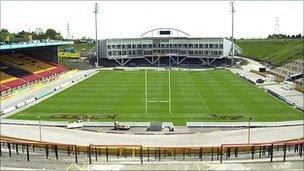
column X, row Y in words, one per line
column 277, row 52
column 195, row 95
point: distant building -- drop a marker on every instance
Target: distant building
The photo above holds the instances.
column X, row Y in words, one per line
column 168, row 47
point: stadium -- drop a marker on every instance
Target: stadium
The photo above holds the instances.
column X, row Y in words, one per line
column 161, row 101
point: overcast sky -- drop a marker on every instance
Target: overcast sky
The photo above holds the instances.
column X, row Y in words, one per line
column 132, row 18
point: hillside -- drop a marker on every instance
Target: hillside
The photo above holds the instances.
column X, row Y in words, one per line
column 277, row 52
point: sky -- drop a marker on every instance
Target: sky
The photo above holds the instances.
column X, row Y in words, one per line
column 121, row 19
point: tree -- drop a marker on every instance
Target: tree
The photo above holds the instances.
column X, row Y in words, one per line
column 3, row 34
column 50, row 33
column 298, row 36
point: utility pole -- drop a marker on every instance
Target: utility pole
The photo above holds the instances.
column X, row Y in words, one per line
column 40, row 137
column 68, row 37
column 96, row 40
column 249, row 129
column 232, row 31
column 146, row 90
column 170, row 110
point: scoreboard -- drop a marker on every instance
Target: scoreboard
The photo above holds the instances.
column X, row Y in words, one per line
column 164, row 32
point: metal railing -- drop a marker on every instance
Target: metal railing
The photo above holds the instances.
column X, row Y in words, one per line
column 252, row 151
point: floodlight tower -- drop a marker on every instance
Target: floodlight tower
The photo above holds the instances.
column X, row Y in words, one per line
column 96, row 8
column 68, row 32
column 232, row 31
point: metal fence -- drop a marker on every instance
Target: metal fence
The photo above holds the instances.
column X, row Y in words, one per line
column 95, row 152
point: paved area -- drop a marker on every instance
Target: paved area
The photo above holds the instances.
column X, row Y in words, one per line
column 252, row 64
column 244, row 124
column 215, row 138
column 291, row 95
column 249, row 75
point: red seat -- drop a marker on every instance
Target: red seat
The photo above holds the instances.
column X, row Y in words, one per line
column 34, row 77
column 45, row 74
column 57, row 70
column 14, row 83
column 31, row 78
column 3, row 88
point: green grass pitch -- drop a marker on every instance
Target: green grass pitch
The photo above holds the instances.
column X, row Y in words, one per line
column 216, row 95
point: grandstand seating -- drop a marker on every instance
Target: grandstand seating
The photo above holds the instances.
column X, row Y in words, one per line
column 13, row 71
column 18, row 69
column 6, row 78
column 288, row 70
column 33, row 61
column 20, row 64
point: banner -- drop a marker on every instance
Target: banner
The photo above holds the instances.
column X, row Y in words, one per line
column 7, row 39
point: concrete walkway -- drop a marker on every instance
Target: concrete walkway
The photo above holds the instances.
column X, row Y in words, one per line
column 216, row 138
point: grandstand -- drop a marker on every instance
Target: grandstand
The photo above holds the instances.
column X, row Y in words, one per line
column 293, row 70
column 164, row 47
column 25, row 64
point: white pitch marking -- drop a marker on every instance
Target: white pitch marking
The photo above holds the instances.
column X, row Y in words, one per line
column 199, row 94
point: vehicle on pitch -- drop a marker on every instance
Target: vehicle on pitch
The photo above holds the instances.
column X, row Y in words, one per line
column 117, row 126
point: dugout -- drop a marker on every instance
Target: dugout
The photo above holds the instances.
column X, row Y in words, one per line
column 155, row 126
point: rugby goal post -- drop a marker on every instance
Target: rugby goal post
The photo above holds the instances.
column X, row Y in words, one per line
column 158, row 101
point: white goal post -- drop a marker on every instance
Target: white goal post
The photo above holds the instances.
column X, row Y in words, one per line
column 158, row 101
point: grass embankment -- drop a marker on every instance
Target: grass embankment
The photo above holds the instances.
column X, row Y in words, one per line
column 278, row 52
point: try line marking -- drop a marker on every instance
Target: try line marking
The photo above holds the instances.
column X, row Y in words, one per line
column 155, row 101
column 202, row 100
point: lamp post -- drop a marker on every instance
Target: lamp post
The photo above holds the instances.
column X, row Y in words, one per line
column 249, row 129
column 39, row 119
column 232, row 32
column 96, row 7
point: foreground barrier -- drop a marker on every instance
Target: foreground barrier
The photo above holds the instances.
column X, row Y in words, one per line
column 95, row 151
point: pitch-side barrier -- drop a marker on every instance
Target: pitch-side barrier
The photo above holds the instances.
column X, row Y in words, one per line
column 278, row 151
